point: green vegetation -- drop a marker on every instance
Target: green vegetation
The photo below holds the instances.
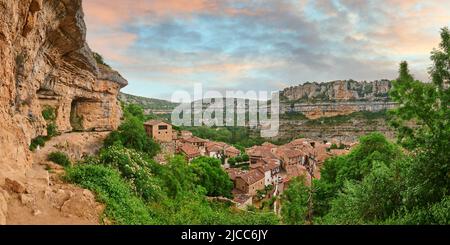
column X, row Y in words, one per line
column 99, row 59
column 240, row 137
column 341, row 119
column 60, row 158
column 131, row 133
column 241, row 159
column 295, row 202
column 52, row 130
column 122, row 204
column 293, row 116
column 48, row 113
column 146, row 103
column 335, row 146
column 137, row 190
column 212, row 177
column 380, row 182
column 36, row 142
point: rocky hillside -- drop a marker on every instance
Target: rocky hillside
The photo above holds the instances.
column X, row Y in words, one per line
column 150, row 105
column 347, row 90
column 316, row 100
column 46, row 63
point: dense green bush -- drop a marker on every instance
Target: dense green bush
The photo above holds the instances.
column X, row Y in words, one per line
column 134, row 167
column 122, row 205
column 232, row 161
column 38, row 141
column 52, row 130
column 295, row 202
column 60, row 158
column 131, row 134
column 183, row 201
column 49, row 114
column 245, row 158
column 210, row 174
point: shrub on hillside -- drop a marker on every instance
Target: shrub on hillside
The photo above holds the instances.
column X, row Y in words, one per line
column 212, row 177
column 123, row 207
column 131, row 134
column 52, row 130
column 245, row 158
column 60, row 158
column 49, row 113
column 36, row 142
column 134, row 167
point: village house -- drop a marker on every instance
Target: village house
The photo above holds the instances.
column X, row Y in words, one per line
column 257, row 153
column 231, row 151
column 215, row 149
column 271, row 170
column 184, row 134
column 221, row 150
column 242, row 201
column 233, row 173
column 197, row 142
column 250, row 182
column 159, row 131
column 189, row 151
column 289, row 157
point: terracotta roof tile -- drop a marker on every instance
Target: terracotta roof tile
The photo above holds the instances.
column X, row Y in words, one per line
column 252, row 176
column 189, row 150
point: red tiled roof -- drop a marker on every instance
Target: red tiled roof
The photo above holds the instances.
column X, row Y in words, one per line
column 252, row 176
column 234, row 172
column 289, row 153
column 195, row 140
column 266, row 164
column 232, row 149
column 189, row 150
column 261, row 152
column 241, row 198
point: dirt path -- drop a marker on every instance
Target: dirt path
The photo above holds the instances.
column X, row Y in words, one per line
column 40, row 197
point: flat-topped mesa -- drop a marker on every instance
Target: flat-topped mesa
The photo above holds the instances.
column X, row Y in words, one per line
column 46, row 62
column 317, row 100
column 345, row 90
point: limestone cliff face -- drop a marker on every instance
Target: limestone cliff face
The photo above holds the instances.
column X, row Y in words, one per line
column 45, row 61
column 317, row 100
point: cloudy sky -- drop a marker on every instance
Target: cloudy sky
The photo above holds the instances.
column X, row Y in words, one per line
column 165, row 45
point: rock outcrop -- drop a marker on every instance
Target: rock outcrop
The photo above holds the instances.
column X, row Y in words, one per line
column 317, row 100
column 46, row 62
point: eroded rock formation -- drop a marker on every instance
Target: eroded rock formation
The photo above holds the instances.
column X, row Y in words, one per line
column 317, row 100
column 45, row 61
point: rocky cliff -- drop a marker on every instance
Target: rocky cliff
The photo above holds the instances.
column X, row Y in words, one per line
column 46, row 62
column 317, row 100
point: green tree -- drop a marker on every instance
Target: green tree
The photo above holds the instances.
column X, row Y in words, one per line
column 373, row 200
column 422, row 123
column 131, row 134
column 294, row 210
column 133, row 110
column 212, row 177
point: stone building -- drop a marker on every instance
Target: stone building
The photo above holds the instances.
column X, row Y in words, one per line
column 159, row 130
column 250, row 182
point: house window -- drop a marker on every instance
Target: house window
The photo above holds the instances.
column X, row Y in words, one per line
column 162, row 127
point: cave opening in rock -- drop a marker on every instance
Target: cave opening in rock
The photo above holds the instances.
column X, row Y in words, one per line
column 76, row 119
